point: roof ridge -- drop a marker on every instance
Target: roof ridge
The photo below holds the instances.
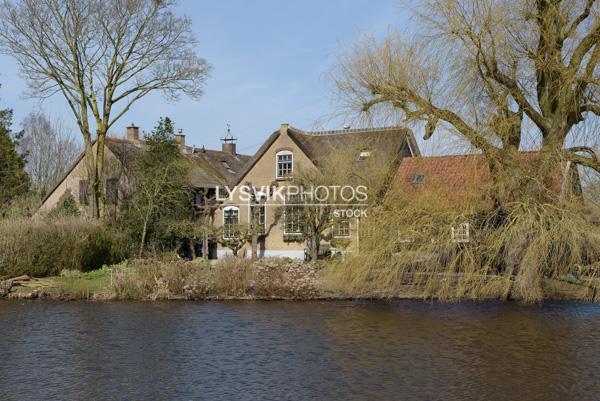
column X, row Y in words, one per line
column 520, row 152
column 349, row 131
column 119, row 139
column 219, row 151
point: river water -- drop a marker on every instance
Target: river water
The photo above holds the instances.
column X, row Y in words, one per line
column 299, row 351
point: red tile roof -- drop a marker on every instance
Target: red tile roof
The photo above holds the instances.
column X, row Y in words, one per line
column 445, row 180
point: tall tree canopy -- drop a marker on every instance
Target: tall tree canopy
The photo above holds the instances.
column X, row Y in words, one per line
column 102, row 56
column 14, row 181
column 496, row 72
column 162, row 191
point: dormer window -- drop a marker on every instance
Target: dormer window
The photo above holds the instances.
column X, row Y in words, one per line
column 285, row 164
column 227, row 166
column 364, row 155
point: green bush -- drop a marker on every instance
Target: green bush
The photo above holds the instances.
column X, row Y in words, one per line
column 45, row 247
column 67, row 207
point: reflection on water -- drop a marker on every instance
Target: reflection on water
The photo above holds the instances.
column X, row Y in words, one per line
column 298, row 350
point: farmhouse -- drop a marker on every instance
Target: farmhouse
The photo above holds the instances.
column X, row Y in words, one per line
column 208, row 170
column 282, row 157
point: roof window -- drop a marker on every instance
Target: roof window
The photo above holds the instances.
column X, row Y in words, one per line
column 365, row 154
column 419, row 178
column 226, row 165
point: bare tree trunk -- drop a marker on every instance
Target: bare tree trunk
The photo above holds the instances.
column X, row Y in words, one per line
column 205, row 247
column 91, row 172
column 314, row 249
column 193, row 249
column 99, row 194
column 143, row 239
column 206, row 221
column 255, row 233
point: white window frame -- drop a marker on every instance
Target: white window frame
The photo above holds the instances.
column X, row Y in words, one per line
column 336, row 226
column 284, row 153
column 363, row 155
column 250, row 205
column 226, row 209
column 404, row 239
column 460, row 234
column 285, row 209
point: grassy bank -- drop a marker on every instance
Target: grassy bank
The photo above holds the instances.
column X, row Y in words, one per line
column 267, row 278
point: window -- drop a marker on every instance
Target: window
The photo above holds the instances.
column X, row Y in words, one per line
column 461, row 233
column 405, row 238
column 198, row 198
column 231, row 218
column 293, row 223
column 285, row 164
column 112, row 191
column 204, row 196
column 341, row 228
column 83, row 192
column 262, row 214
column 419, row 178
column 364, row 155
column 227, row 166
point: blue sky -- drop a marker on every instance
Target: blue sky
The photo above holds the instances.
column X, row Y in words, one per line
column 270, row 62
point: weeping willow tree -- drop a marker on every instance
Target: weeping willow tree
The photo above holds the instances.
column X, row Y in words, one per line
column 497, row 73
column 503, row 76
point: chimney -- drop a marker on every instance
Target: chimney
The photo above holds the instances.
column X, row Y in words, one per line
column 133, row 133
column 228, row 147
column 228, row 142
column 284, row 128
column 180, row 138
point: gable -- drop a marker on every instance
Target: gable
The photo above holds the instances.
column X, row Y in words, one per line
column 69, row 183
column 387, row 143
column 261, row 170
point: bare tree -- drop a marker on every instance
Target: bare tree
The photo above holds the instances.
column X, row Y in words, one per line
column 102, row 56
column 324, row 184
column 496, row 73
column 50, row 148
column 234, row 237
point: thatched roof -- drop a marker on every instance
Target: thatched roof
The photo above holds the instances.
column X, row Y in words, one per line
column 387, row 143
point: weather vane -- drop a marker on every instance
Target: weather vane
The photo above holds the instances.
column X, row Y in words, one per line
column 228, row 137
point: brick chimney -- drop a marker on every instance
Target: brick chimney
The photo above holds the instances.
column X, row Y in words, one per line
column 133, row 133
column 228, row 142
column 180, row 138
column 229, row 147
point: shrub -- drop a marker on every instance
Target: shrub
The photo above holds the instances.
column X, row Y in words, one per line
column 45, row 247
column 232, row 276
column 154, row 279
column 274, row 277
column 67, row 207
column 228, row 278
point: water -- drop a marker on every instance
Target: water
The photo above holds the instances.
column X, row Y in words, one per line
column 299, row 351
